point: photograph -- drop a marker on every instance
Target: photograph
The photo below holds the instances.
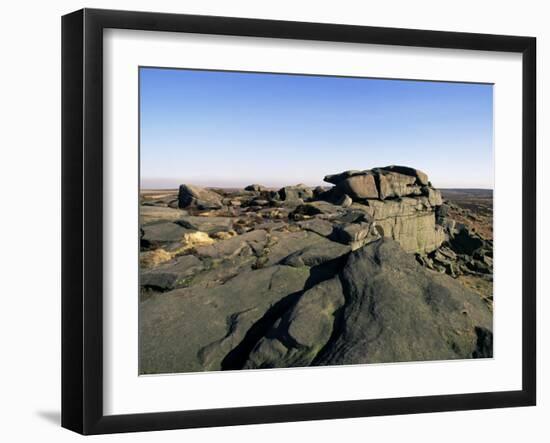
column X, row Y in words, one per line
column 291, row 220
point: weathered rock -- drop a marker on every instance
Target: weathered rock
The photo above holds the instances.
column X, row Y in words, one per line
column 393, row 184
column 317, row 208
column 358, row 187
column 464, row 241
column 396, row 310
column 206, row 224
column 152, row 214
column 298, row 192
column 163, row 232
column 415, row 233
column 434, row 196
column 398, row 208
column 255, row 240
column 344, row 200
column 301, row 333
column 290, row 204
column 441, row 213
column 410, row 221
column 255, row 188
column 420, row 176
column 171, row 275
column 317, row 225
column 194, row 329
column 353, row 215
column 316, row 254
column 337, row 178
column 217, row 272
column 282, row 244
column 194, row 196
column 355, row 234
column 272, row 226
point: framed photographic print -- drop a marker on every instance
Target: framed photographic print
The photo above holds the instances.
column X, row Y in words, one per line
column 269, row 221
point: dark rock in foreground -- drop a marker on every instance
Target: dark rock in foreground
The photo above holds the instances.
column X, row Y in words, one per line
column 396, row 311
column 193, row 329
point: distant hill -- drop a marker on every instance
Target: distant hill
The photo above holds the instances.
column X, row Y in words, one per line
column 466, row 192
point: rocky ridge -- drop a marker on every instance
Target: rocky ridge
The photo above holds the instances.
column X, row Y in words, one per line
column 364, row 271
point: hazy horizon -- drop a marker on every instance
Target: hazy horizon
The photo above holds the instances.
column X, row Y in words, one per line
column 324, row 184
column 230, row 129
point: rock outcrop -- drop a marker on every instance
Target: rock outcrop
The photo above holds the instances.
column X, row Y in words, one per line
column 400, row 200
column 371, row 269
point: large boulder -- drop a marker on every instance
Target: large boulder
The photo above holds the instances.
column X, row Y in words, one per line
column 163, row 232
column 399, row 199
column 393, row 185
column 251, row 242
column 337, row 178
column 194, row 196
column 297, row 192
column 421, row 177
column 358, row 187
column 377, row 183
column 297, row 337
column 396, row 310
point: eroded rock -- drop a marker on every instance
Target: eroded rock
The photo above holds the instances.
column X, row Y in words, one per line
column 193, row 329
column 194, row 196
column 395, row 310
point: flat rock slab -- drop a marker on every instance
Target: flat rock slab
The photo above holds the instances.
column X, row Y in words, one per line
column 319, row 208
column 151, row 214
column 283, row 244
column 164, row 232
column 317, row 254
column 209, row 225
column 194, row 329
column 298, row 192
column 421, row 177
column 358, row 187
column 317, row 225
column 255, row 240
column 393, row 184
column 272, row 226
column 219, row 272
column 171, row 275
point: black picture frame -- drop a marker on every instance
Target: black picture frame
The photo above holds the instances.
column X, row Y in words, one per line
column 82, row 218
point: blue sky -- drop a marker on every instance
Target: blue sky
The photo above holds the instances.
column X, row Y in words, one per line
column 214, row 128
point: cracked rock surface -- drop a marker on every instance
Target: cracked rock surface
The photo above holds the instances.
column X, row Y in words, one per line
column 377, row 267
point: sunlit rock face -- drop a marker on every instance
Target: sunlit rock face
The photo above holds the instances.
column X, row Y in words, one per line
column 400, row 201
